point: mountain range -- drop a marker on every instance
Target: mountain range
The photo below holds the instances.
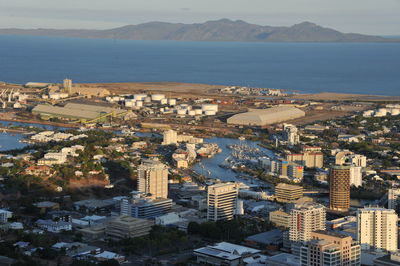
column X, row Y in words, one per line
column 218, row 30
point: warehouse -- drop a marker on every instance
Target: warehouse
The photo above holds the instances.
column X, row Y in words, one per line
column 262, row 117
column 81, row 112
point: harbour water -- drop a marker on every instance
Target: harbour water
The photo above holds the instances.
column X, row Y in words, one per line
column 367, row 68
column 210, row 167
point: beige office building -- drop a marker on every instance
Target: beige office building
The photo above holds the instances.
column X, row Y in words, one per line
column 128, row 227
column 288, row 193
column 330, row 249
column 377, row 228
column 153, row 178
column 280, row 218
column 339, row 188
column 222, row 201
column 310, row 159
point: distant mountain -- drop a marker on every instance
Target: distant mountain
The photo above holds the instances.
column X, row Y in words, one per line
column 219, row 30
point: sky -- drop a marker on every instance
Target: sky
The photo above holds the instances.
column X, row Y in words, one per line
column 377, row 17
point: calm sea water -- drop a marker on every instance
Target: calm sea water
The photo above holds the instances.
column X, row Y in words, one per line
column 369, row 68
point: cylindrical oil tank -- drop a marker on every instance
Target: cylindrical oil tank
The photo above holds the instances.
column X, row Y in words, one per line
column 172, row 101
column 157, row 97
column 210, row 107
column 181, row 111
column 209, row 112
column 139, row 97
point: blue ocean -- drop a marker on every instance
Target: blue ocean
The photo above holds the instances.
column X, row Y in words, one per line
column 368, row 68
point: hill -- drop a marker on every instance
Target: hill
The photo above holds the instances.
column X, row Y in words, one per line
column 218, row 30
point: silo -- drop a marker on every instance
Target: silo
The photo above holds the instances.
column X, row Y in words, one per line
column 139, row 97
column 172, row 101
column 157, row 97
column 210, row 107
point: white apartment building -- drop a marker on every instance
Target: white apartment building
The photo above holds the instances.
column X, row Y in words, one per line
column 170, row 137
column 222, row 201
column 290, row 134
column 306, row 218
column 377, row 228
column 153, row 178
column 358, row 160
column 356, row 176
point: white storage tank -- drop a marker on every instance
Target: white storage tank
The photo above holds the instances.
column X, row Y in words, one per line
column 139, row 97
column 157, row 97
column 139, row 103
column 129, row 103
column 198, row 111
column 395, row 111
column 210, row 112
column 209, row 107
column 181, row 111
column 164, row 101
column 172, row 101
column 192, row 113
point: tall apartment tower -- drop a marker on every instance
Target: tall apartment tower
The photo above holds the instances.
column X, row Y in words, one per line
column 222, row 201
column 153, row 178
column 377, row 228
column 67, row 85
column 393, row 196
column 339, row 188
column 291, row 134
column 330, row 249
column 306, row 218
column 170, row 137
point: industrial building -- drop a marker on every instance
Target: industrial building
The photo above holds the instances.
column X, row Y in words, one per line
column 84, row 113
column 262, row 117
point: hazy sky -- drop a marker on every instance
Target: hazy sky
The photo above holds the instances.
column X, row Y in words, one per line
column 363, row 16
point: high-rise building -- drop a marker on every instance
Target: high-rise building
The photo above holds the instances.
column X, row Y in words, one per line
column 356, row 176
column 288, row 193
column 377, row 228
column 393, row 197
column 153, row 178
column 339, row 188
column 358, row 160
column 222, row 201
column 67, row 85
column 330, row 249
column 290, row 134
column 306, row 218
column 170, row 137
